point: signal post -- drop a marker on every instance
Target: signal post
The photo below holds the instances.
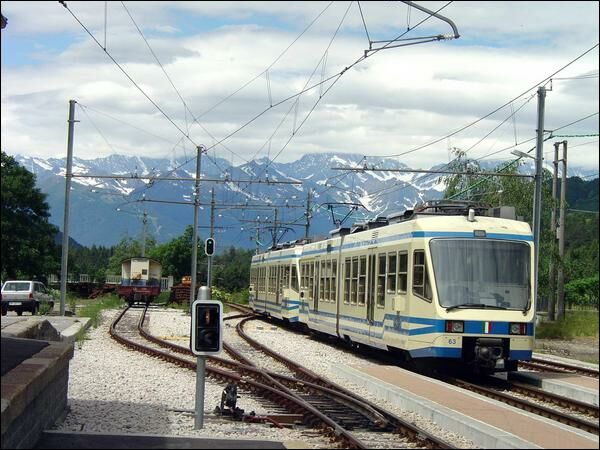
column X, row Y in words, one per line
column 206, row 338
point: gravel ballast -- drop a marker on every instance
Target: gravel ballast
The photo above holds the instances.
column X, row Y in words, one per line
column 113, row 389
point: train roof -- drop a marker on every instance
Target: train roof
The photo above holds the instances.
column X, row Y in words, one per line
column 436, row 215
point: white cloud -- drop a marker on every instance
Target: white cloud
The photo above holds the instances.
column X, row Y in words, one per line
column 392, row 102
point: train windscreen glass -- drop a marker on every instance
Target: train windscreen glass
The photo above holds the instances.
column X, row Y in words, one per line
column 477, row 273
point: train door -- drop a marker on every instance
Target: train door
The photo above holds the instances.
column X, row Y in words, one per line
column 371, row 291
column 316, row 287
column 278, row 270
column 267, row 274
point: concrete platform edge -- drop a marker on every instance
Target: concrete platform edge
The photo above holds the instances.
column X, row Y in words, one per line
column 557, row 387
column 481, row 434
column 218, row 442
column 71, row 333
column 560, row 359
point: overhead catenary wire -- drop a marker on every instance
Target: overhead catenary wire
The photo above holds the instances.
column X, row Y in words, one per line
column 365, row 24
column 127, row 75
column 154, row 103
column 338, row 75
column 420, row 147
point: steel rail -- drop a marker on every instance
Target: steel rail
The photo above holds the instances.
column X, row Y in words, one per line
column 526, row 405
column 311, row 415
column 402, row 427
column 551, row 397
column 546, row 364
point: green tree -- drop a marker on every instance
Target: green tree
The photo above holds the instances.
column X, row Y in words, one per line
column 28, row 248
column 232, row 269
column 176, row 255
column 128, row 248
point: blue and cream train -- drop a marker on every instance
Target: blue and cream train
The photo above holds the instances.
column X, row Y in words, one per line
column 446, row 282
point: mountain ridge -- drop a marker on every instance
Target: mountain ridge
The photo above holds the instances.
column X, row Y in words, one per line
column 104, row 210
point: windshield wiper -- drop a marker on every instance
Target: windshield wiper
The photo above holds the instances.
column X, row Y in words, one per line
column 474, row 305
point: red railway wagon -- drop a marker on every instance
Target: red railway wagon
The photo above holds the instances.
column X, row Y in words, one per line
column 140, row 280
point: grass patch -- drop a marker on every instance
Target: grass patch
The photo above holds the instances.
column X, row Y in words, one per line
column 94, row 307
column 577, row 323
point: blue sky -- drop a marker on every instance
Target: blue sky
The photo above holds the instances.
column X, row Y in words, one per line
column 399, row 99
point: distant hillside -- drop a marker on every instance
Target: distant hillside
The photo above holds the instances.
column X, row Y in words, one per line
column 582, row 194
column 58, row 237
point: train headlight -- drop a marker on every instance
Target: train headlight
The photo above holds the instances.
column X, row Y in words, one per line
column 518, row 328
column 455, row 326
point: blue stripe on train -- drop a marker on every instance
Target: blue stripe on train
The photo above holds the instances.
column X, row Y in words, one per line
column 432, row 325
column 436, row 352
column 443, row 352
column 397, row 237
column 521, row 355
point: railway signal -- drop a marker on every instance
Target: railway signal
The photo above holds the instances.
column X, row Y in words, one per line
column 209, row 246
column 207, row 325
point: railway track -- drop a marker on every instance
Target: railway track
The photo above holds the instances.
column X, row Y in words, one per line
column 332, row 411
column 340, row 402
column 512, row 393
column 503, row 391
column 542, row 364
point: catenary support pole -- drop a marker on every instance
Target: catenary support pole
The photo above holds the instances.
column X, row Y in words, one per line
column 195, row 229
column 560, row 310
column 552, row 268
column 212, row 235
column 307, row 214
column 537, row 196
column 65, row 237
column 144, row 222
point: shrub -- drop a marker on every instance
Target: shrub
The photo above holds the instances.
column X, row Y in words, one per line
column 582, row 292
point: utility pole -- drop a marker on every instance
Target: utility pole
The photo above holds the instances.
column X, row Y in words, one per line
column 560, row 310
column 307, row 214
column 537, row 195
column 200, row 149
column 552, row 270
column 274, row 232
column 257, row 237
column 212, row 235
column 144, row 221
column 65, row 237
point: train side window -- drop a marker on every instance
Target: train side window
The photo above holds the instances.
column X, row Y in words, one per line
column 334, row 281
column 269, row 279
column 391, row 273
column 362, row 280
column 265, row 279
column 402, row 272
column 327, row 279
column 354, row 288
column 287, row 272
column 259, row 280
column 311, row 279
column 322, row 280
column 303, row 283
column 284, row 281
column 381, row 274
column 420, row 281
column 348, row 279
column 294, row 277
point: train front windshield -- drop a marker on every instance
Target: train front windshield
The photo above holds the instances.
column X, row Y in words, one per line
column 478, row 273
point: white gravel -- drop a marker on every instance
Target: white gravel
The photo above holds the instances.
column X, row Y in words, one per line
column 113, row 389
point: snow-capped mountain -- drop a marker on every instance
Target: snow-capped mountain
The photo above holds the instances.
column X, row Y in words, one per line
column 104, row 210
